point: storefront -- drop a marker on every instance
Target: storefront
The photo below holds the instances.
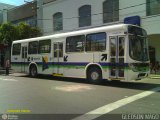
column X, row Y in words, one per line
column 154, row 47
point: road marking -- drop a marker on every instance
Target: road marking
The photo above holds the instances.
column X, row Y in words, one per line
column 6, row 79
column 112, row 106
column 74, row 88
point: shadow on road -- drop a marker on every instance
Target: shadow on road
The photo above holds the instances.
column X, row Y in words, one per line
column 121, row 84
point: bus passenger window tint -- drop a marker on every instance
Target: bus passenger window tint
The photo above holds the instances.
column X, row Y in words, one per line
column 61, row 50
column 16, row 49
column 75, row 43
column 113, row 46
column 55, row 50
column 33, row 47
column 96, row 42
column 44, row 46
column 121, row 46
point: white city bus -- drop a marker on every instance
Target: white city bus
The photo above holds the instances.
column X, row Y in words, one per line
column 116, row 52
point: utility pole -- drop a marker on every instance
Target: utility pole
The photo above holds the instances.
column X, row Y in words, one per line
column 40, row 14
column 4, row 15
column 34, row 8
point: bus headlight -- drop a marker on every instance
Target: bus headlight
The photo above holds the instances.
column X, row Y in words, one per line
column 139, row 67
column 133, row 67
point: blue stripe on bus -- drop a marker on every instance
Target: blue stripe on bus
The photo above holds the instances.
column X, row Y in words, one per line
column 75, row 63
column 114, row 64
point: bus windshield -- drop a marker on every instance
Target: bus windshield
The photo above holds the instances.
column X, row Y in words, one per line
column 138, row 48
column 138, row 43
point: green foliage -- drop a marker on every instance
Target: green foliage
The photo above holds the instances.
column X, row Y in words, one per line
column 26, row 31
column 10, row 32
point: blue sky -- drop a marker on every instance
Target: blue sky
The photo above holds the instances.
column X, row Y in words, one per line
column 14, row 2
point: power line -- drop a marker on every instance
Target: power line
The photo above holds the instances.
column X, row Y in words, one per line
column 50, row 29
column 105, row 12
column 101, row 12
column 142, row 17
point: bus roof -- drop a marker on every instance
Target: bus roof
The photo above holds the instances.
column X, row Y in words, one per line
column 73, row 33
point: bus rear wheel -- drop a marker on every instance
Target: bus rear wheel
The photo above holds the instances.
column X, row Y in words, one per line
column 33, row 71
column 94, row 75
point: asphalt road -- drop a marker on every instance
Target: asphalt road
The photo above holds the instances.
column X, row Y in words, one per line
column 49, row 98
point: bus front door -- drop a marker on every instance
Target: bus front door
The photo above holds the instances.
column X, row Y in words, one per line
column 24, row 59
column 57, row 59
column 117, row 52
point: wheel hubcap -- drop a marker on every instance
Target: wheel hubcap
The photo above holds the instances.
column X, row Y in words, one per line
column 94, row 75
column 33, row 71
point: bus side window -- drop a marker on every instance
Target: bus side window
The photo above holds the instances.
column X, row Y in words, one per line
column 33, row 47
column 75, row 43
column 121, row 46
column 55, row 50
column 16, row 49
column 45, row 46
column 61, row 50
column 96, row 42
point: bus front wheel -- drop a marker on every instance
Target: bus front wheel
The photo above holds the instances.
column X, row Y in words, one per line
column 33, row 71
column 94, row 75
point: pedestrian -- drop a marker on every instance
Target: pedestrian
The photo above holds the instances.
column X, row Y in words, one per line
column 151, row 67
column 156, row 67
column 7, row 65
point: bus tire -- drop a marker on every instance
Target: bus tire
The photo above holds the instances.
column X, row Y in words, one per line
column 94, row 75
column 33, row 71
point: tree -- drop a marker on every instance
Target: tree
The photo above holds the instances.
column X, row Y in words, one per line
column 26, row 31
column 8, row 33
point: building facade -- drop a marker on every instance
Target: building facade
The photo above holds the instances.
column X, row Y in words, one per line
column 69, row 15
column 24, row 13
column 3, row 12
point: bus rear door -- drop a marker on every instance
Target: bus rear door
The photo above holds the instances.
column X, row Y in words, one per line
column 117, row 52
column 57, row 58
column 24, row 65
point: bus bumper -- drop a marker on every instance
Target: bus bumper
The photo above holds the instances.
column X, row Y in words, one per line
column 142, row 75
column 137, row 75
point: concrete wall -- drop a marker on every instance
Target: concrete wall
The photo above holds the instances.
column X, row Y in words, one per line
column 126, row 10
column 48, row 1
column 150, row 23
column 154, row 41
column 3, row 12
column 21, row 12
column 69, row 8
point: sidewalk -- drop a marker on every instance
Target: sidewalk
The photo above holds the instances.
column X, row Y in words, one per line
column 154, row 76
column 11, row 72
column 3, row 71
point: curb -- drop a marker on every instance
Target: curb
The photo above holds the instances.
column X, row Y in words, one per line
column 154, row 76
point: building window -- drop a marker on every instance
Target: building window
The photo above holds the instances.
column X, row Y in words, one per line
column 58, row 21
column 110, row 11
column 75, row 43
column 152, row 7
column 33, row 47
column 16, row 49
column 96, row 42
column 85, row 16
column 45, row 46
